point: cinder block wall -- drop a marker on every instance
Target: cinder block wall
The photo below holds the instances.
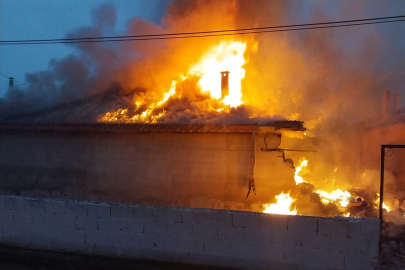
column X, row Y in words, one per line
column 207, row 170
column 198, row 236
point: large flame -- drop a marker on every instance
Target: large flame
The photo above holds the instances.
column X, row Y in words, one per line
column 384, row 206
column 282, row 206
column 226, row 56
column 337, row 196
column 284, row 201
column 298, row 179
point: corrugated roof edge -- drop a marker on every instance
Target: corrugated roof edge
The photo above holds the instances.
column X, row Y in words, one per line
column 180, row 128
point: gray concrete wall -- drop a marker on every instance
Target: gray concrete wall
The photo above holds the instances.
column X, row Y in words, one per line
column 178, row 169
column 198, row 236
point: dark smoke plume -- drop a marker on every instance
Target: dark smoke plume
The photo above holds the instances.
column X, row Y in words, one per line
column 327, row 73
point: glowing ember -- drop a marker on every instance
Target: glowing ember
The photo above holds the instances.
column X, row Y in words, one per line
column 298, row 179
column 114, row 116
column 282, row 206
column 284, row 201
column 337, row 196
column 226, row 56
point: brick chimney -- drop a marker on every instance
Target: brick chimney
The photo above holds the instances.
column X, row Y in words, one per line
column 224, row 84
column 386, row 104
column 397, row 103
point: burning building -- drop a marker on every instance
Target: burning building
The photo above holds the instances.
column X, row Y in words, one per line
column 197, row 143
column 134, row 157
column 233, row 122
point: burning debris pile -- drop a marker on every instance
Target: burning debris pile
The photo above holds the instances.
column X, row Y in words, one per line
column 305, row 199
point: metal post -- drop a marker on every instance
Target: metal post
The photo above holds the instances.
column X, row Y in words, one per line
column 383, row 155
column 381, row 191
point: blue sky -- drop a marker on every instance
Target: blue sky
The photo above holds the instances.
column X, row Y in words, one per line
column 22, row 19
column 350, row 62
column 37, row 19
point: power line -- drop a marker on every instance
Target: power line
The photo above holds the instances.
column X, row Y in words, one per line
column 4, row 75
column 243, row 31
column 203, row 32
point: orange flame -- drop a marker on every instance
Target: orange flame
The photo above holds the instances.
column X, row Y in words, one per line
column 384, row 206
column 298, row 179
column 226, row 56
column 282, row 206
column 284, row 201
column 337, row 196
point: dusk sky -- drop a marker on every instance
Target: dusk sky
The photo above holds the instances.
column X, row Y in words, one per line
column 46, row 19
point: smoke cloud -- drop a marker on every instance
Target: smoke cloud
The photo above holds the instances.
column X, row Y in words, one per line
column 327, row 72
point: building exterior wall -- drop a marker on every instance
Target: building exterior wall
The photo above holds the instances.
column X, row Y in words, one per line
column 394, row 162
column 198, row 236
column 207, row 170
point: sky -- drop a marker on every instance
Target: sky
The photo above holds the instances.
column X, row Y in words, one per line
column 46, row 19
column 341, row 60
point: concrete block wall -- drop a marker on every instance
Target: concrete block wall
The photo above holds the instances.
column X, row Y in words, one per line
column 207, row 170
column 198, row 236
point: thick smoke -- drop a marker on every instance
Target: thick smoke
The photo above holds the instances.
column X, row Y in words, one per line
column 327, row 73
column 88, row 72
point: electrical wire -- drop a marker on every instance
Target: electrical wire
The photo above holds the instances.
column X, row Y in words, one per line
column 8, row 78
column 205, row 32
column 4, row 76
column 243, row 31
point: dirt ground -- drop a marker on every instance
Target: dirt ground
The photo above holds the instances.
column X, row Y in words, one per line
column 396, row 262
column 23, row 259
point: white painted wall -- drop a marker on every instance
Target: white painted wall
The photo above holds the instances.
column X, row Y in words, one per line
column 199, row 236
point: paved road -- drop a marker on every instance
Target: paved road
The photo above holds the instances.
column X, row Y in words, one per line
column 21, row 259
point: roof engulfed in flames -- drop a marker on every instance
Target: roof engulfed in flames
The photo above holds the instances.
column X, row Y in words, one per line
column 226, row 56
